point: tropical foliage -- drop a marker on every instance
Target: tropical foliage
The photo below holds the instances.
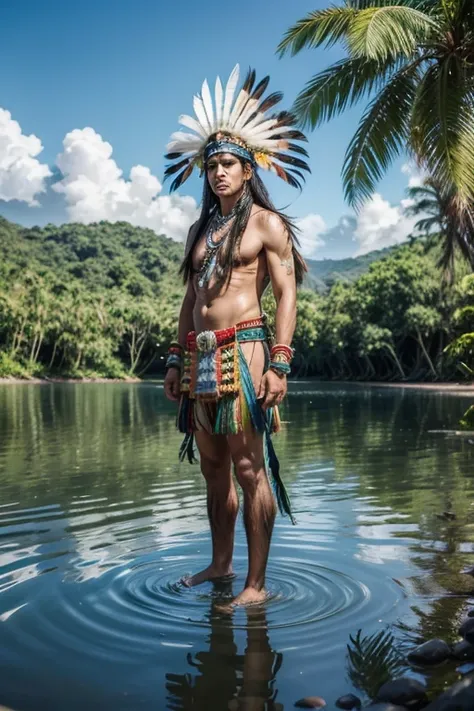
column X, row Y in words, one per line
column 103, row 300
column 414, row 61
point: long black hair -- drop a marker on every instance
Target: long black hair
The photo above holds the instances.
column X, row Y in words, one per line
column 229, row 253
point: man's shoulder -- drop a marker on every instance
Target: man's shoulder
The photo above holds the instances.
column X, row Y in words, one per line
column 268, row 223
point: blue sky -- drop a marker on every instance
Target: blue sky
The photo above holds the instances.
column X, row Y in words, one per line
column 128, row 69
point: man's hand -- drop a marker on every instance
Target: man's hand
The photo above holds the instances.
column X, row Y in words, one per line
column 272, row 389
column 171, row 384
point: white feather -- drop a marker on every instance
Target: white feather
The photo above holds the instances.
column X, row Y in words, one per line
column 255, row 124
column 207, row 102
column 200, row 112
column 191, row 123
column 183, row 143
column 219, row 98
column 271, row 132
column 242, row 98
column 249, row 132
column 230, row 95
column 249, row 109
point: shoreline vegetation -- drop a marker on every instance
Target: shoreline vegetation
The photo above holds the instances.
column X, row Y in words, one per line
column 101, row 301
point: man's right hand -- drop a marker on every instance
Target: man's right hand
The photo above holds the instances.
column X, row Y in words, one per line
column 172, row 383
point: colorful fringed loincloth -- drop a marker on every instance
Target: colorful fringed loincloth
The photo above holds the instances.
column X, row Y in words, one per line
column 218, row 395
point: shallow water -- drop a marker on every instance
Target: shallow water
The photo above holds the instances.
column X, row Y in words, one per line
column 98, row 522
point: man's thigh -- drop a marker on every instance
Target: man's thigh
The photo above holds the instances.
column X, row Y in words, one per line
column 214, row 451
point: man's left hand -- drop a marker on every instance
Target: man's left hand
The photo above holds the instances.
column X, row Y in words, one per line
column 272, row 389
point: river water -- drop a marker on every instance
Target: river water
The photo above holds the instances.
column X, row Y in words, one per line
column 99, row 521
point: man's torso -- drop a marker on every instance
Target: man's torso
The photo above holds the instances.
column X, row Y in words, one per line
column 217, row 308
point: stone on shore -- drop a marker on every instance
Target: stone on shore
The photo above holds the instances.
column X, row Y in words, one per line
column 460, row 697
column 467, row 630
column 464, row 651
column 311, row 702
column 403, row 692
column 430, row 653
column 348, row 702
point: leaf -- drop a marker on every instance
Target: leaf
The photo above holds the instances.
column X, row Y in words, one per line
column 330, row 92
column 382, row 32
column 322, row 27
column 380, row 137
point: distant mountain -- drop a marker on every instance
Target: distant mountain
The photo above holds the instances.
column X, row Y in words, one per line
column 323, row 273
column 106, row 255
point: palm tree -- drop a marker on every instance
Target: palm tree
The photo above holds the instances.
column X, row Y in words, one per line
column 443, row 222
column 414, row 61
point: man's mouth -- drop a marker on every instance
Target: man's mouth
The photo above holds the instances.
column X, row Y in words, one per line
column 221, row 185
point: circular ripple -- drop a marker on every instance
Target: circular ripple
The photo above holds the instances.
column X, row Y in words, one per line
column 135, row 609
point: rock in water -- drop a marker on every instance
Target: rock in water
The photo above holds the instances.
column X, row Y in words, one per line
column 467, row 630
column 464, row 651
column 311, row 702
column 403, row 692
column 433, row 652
column 348, row 702
column 460, row 697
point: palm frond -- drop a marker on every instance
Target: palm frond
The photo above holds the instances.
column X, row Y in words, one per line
column 380, row 137
column 442, row 125
column 422, row 206
column 427, row 224
column 330, row 92
column 390, row 31
column 373, row 660
column 322, row 27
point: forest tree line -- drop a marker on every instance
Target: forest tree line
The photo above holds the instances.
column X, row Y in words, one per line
column 103, row 300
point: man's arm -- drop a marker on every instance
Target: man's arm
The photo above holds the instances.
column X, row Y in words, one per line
column 281, row 268
column 279, row 254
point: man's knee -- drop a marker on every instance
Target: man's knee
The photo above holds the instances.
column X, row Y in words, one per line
column 215, row 469
column 248, row 471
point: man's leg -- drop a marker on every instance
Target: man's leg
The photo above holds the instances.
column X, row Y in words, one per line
column 259, row 510
column 222, row 505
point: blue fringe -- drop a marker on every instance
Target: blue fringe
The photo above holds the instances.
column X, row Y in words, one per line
column 262, row 422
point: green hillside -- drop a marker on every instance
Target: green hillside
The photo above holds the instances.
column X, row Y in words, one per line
column 103, row 300
column 323, row 273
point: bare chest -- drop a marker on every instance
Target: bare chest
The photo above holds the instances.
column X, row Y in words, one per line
column 250, row 250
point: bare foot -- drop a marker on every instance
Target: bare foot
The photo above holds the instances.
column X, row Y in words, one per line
column 248, row 596
column 209, row 574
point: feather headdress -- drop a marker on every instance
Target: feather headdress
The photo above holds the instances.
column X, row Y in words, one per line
column 238, row 122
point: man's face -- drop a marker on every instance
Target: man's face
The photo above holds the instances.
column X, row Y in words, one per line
column 226, row 174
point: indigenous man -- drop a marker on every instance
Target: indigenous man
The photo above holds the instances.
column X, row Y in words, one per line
column 225, row 369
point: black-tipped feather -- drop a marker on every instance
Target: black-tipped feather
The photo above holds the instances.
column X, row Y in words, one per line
column 271, row 101
column 261, row 88
column 172, row 169
column 291, row 160
column 298, row 149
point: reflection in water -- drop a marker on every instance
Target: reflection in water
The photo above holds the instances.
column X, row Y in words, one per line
column 221, row 677
column 98, row 520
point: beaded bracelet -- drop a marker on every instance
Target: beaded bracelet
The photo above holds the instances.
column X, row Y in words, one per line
column 175, row 356
column 280, row 368
column 280, row 358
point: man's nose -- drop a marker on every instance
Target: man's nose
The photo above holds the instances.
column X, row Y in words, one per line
column 220, row 170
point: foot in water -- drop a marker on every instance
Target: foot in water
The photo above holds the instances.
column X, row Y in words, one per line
column 209, row 574
column 248, row 597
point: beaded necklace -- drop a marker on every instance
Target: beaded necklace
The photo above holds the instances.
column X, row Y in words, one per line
column 217, row 223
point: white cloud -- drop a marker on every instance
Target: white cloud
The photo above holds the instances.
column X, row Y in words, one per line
column 22, row 176
column 311, row 227
column 380, row 224
column 416, row 176
column 95, row 190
